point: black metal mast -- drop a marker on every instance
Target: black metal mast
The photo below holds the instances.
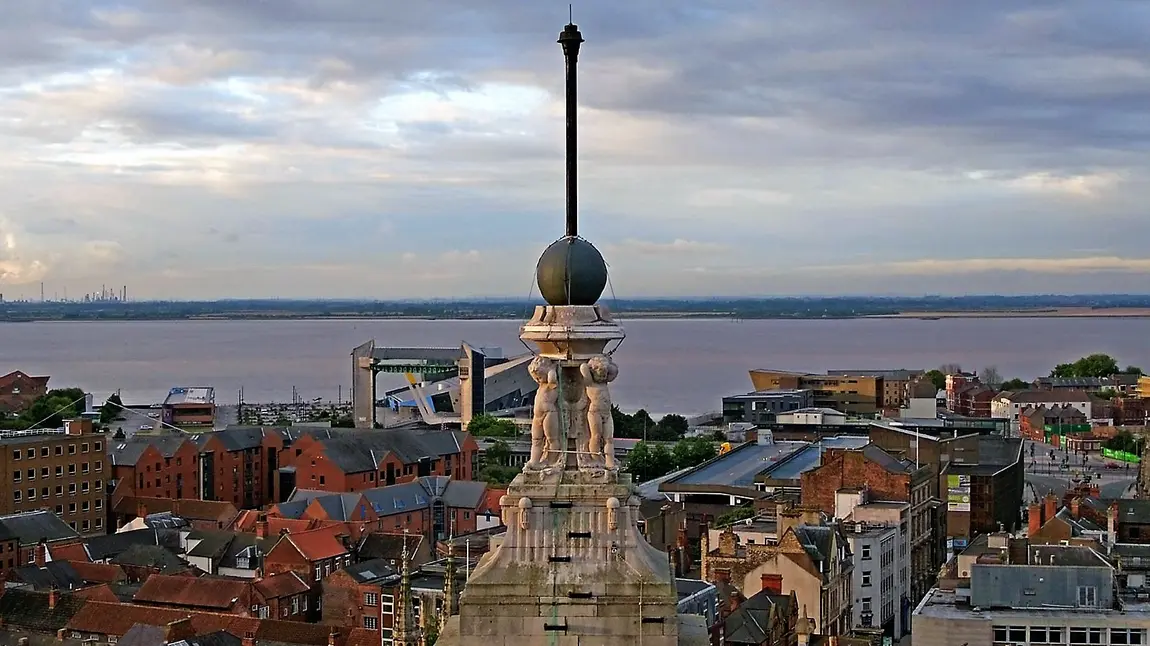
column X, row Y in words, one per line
column 570, row 39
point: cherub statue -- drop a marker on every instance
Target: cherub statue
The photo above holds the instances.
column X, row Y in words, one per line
column 545, row 449
column 597, row 373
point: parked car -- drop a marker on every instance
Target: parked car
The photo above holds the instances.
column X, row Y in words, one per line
column 146, row 427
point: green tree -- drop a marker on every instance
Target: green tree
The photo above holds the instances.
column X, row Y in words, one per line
column 937, row 378
column 692, row 451
column 1015, row 384
column 735, row 515
column 1094, row 365
column 50, row 410
column 111, row 408
column 624, row 424
column 484, row 425
column 647, row 461
column 671, row 427
column 1133, row 370
column 1125, row 441
column 498, row 453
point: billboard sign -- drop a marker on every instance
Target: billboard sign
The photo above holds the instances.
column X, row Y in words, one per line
column 958, row 493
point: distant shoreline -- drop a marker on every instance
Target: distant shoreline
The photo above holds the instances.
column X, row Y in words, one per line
column 1063, row 312
column 1084, row 312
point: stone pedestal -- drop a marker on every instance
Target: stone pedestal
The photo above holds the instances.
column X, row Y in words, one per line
column 572, row 569
column 571, row 332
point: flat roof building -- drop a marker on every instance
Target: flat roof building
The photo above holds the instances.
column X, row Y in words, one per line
column 190, row 406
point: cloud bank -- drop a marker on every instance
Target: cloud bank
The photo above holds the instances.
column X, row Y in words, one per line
column 332, row 148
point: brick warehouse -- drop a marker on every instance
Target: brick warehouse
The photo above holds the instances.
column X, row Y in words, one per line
column 350, row 461
column 58, row 470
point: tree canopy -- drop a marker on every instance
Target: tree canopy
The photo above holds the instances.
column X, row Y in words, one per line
column 484, row 425
column 1094, row 365
column 647, row 461
column 48, row 411
column 937, row 378
column 1014, row 384
column 640, row 425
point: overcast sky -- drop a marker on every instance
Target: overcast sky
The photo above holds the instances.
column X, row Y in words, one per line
column 343, row 148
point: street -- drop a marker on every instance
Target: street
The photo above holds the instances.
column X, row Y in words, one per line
column 1045, row 475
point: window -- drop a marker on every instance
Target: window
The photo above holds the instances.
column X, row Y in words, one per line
column 1124, row 636
column 30, row 454
column 59, row 449
column 99, row 521
column 31, row 474
column 370, row 599
column 83, row 467
column 866, row 578
column 84, row 447
column 71, row 508
column 17, row 476
column 44, row 472
column 1087, row 596
column 31, row 494
column 84, row 487
column 71, row 469
column 71, row 488
column 1085, row 636
column 866, row 552
column 45, row 492
column 59, row 509
column 43, row 451
column 99, row 503
column 16, row 454
column 371, row 623
column 98, row 485
column 98, row 446
column 295, row 605
column 59, row 490
column 386, row 604
column 16, row 495
column 71, row 449
column 321, row 480
column 1017, row 633
column 59, row 471
column 87, row 526
column 866, row 604
column 84, row 506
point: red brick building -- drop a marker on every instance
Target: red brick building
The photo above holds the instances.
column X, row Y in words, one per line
column 281, row 596
column 18, row 391
column 433, row 507
column 164, row 465
column 313, row 555
column 884, row 476
column 200, row 514
column 346, row 461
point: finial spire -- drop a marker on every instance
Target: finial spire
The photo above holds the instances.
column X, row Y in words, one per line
column 404, row 630
column 570, row 39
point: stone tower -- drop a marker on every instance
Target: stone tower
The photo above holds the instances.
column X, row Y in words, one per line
column 573, row 567
column 405, row 632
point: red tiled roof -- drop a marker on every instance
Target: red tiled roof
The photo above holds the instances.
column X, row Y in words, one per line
column 102, row 618
column 363, row 637
column 246, row 522
column 281, row 585
column 73, row 552
column 194, row 593
column 98, row 572
column 212, row 510
column 100, row 592
column 317, row 544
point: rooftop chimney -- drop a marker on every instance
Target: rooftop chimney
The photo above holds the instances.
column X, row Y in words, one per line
column 332, row 637
column 772, row 583
column 53, row 597
column 141, row 509
column 1050, row 508
column 249, row 639
column 262, row 525
column 733, row 602
column 40, row 553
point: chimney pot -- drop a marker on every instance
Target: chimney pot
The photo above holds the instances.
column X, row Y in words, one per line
column 53, row 595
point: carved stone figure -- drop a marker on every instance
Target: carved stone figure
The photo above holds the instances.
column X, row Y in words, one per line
column 612, row 513
column 545, row 440
column 525, row 513
column 577, row 425
column 597, row 373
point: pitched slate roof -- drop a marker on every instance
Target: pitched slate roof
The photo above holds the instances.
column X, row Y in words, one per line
column 152, row 556
column 215, row 511
column 203, row 593
column 373, row 571
column 127, row 452
column 32, row 527
column 395, row 499
column 385, row 547
column 58, row 574
column 357, row 451
column 101, row 548
column 751, row 622
column 29, row 610
column 238, row 438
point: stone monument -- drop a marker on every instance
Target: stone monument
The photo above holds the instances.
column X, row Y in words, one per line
column 573, row 567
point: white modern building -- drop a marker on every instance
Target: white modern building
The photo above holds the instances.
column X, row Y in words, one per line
column 1010, row 404
column 881, row 579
